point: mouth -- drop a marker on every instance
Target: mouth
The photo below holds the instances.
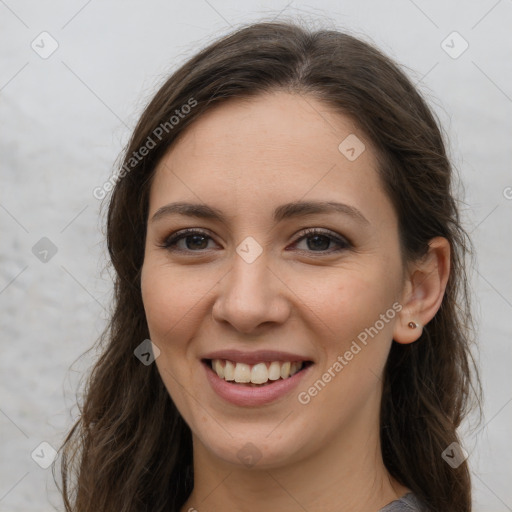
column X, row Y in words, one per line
column 260, row 374
column 255, row 378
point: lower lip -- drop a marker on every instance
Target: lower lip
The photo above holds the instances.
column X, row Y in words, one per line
column 249, row 396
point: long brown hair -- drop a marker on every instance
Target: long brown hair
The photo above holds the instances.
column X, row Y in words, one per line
column 130, row 449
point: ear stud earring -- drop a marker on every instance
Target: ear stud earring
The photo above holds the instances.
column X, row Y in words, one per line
column 413, row 325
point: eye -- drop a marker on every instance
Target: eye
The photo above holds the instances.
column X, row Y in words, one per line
column 197, row 241
column 194, row 239
column 321, row 239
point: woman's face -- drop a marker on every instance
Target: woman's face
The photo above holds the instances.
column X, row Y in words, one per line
column 254, row 291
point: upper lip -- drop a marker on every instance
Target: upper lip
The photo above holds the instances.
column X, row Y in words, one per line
column 258, row 356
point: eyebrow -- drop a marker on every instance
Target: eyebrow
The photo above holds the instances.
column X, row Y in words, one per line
column 285, row 211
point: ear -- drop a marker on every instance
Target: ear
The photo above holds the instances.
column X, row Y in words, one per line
column 423, row 291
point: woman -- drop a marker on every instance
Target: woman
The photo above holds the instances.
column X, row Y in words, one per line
column 283, row 231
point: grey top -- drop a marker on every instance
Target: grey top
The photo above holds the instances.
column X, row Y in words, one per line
column 407, row 503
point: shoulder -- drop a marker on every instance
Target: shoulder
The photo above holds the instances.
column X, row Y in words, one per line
column 407, row 503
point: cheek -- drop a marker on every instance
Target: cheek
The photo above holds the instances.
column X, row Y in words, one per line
column 166, row 305
column 159, row 300
column 171, row 300
column 356, row 309
column 355, row 341
column 348, row 301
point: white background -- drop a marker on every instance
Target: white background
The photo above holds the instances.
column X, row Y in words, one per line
column 65, row 119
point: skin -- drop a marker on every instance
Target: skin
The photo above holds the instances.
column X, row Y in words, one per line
column 245, row 158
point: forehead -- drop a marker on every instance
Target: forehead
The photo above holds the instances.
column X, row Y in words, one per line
column 272, row 148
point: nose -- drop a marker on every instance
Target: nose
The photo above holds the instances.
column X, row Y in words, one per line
column 251, row 295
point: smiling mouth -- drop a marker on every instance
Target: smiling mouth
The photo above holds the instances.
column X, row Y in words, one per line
column 255, row 375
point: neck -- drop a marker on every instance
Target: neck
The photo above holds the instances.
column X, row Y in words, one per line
column 345, row 476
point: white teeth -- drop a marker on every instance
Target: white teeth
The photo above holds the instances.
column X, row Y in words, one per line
column 257, row 374
column 242, row 372
column 229, row 370
column 274, row 370
column 217, row 366
column 285, row 370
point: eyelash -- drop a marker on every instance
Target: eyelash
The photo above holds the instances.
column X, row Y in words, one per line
column 170, row 242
